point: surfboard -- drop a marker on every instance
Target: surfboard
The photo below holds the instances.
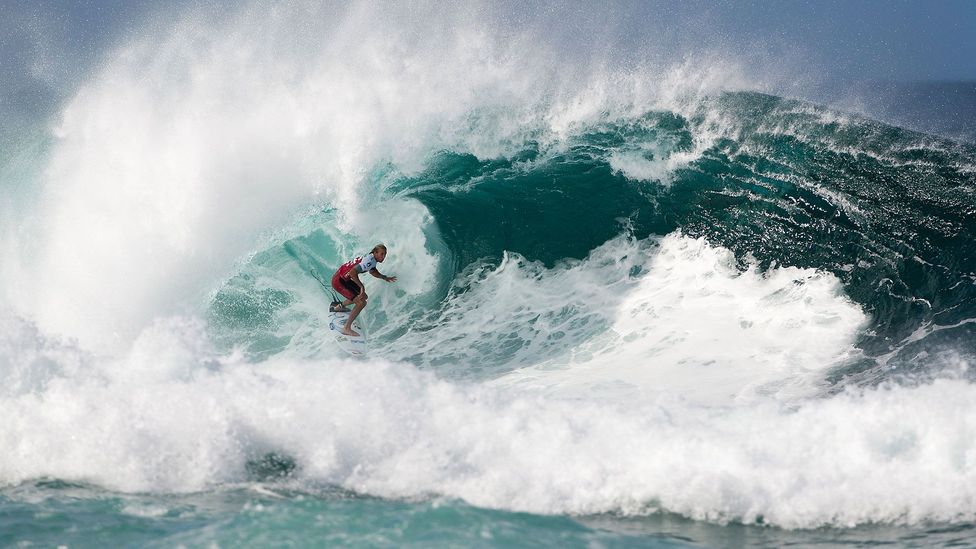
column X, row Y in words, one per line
column 354, row 345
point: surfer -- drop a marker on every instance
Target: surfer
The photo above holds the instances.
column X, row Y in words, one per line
column 346, row 281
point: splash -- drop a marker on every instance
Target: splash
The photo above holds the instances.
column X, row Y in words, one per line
column 183, row 151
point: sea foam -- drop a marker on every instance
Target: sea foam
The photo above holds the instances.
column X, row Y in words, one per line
column 172, row 416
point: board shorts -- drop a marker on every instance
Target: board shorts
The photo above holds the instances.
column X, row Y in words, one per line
column 346, row 287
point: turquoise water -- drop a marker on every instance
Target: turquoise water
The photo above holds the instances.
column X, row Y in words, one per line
column 649, row 306
column 53, row 513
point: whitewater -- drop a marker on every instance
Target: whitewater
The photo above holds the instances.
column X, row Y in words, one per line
column 642, row 299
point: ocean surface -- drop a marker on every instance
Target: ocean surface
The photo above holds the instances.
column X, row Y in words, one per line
column 638, row 304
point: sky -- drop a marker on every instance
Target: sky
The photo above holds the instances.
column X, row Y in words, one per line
column 855, row 39
column 859, row 39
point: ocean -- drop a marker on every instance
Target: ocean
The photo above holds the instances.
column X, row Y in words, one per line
column 642, row 303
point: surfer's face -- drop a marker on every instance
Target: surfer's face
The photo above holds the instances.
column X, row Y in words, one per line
column 380, row 255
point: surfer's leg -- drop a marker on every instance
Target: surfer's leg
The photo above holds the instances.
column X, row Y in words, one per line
column 347, row 289
column 360, row 305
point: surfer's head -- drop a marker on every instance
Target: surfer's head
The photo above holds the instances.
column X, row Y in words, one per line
column 379, row 252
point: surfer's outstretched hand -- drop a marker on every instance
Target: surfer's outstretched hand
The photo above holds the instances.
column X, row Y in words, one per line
column 390, row 278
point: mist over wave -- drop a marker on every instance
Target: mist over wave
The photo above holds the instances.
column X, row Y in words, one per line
column 624, row 286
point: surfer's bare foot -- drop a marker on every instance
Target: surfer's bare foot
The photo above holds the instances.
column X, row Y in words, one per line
column 350, row 333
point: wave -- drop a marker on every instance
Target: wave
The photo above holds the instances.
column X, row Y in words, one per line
column 783, row 188
column 186, row 132
column 622, row 289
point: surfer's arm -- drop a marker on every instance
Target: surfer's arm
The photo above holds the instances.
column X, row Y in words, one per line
column 380, row 275
column 354, row 276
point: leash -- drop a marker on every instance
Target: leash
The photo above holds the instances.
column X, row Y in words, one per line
column 335, row 298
